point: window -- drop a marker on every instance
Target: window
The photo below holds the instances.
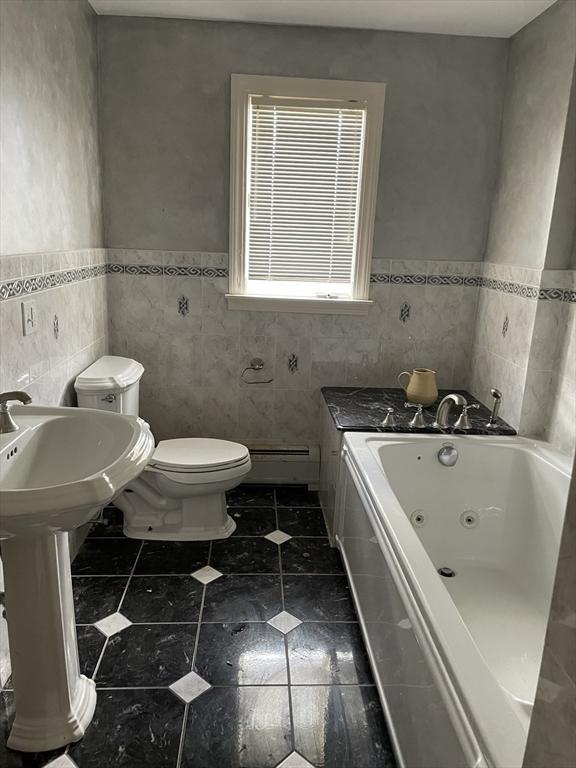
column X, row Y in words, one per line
column 304, row 172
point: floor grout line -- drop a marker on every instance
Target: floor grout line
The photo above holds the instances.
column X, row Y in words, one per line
column 130, row 577
column 230, row 538
column 200, row 613
column 234, row 573
column 289, row 679
column 281, row 574
column 257, row 685
column 97, row 665
column 229, row 621
column 105, row 646
column 276, row 508
column 182, row 735
column 290, row 710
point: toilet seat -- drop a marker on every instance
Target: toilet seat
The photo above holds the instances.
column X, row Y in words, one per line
column 198, row 455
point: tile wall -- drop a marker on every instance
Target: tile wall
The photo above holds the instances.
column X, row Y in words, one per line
column 506, row 312
column 549, row 404
column 478, row 325
column 524, row 345
column 69, row 291
column 168, row 310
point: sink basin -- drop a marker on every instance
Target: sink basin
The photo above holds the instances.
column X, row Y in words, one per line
column 64, row 464
column 56, row 471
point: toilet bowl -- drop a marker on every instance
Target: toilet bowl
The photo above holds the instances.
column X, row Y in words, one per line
column 181, row 494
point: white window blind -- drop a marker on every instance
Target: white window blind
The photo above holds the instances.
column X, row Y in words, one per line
column 304, row 169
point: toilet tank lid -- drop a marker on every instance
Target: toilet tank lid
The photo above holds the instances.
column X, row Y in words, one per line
column 109, row 374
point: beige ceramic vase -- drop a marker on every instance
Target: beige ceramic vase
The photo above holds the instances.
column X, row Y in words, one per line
column 421, row 387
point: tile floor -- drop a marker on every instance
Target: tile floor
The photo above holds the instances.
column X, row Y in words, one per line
column 243, row 653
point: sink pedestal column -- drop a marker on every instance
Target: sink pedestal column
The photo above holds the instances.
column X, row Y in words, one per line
column 54, row 702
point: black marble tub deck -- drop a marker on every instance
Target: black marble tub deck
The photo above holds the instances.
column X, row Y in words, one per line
column 363, row 410
column 243, row 653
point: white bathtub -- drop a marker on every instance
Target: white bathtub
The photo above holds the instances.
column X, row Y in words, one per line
column 456, row 659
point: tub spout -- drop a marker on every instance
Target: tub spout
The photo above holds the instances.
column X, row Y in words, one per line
column 443, row 412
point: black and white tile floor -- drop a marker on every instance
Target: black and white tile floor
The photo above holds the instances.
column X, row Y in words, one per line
column 243, row 653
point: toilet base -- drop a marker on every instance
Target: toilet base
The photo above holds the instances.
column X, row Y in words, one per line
column 199, row 518
column 167, row 532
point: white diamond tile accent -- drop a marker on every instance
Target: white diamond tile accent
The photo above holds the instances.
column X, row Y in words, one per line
column 62, row 762
column 294, row 760
column 206, row 574
column 278, row 537
column 190, row 687
column 112, row 624
column 284, row 622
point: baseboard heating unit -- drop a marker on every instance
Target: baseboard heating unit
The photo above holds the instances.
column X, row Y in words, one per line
column 276, row 463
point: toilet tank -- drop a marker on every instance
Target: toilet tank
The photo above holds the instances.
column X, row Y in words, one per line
column 110, row 384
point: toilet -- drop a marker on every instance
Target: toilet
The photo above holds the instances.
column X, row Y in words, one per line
column 181, row 494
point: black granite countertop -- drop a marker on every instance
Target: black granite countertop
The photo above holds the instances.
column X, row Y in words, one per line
column 363, row 409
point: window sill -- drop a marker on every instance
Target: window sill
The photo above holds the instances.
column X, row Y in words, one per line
column 289, row 304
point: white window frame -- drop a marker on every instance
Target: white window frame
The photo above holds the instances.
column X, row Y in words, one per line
column 371, row 97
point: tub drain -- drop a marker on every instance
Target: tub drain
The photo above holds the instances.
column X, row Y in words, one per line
column 418, row 518
column 469, row 519
column 448, row 573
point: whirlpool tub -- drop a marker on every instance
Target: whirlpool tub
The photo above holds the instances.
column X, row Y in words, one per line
column 456, row 656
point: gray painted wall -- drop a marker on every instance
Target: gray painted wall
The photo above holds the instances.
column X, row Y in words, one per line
column 165, row 128
column 50, row 211
column 539, row 78
column 50, row 186
column 50, row 178
column 562, row 241
column 531, row 235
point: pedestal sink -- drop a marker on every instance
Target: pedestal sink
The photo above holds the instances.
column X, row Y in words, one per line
column 56, row 471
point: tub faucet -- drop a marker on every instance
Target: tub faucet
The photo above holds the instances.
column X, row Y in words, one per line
column 7, row 423
column 443, row 411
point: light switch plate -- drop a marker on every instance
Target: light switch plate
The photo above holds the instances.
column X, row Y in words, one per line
column 29, row 317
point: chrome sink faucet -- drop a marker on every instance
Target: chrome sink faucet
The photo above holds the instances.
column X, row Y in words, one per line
column 443, row 412
column 7, row 423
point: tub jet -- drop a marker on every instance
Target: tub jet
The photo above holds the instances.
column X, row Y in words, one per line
column 448, row 573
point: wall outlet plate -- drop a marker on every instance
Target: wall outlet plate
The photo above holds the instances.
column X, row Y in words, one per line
column 29, row 317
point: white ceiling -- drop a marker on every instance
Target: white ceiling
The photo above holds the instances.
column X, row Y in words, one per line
column 490, row 18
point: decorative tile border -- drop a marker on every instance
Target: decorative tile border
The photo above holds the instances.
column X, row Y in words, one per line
column 407, row 279
column 557, row 294
column 23, row 286
column 170, row 270
column 506, row 286
column 181, row 271
column 451, row 280
column 26, row 285
column 419, row 279
column 214, row 271
column 140, row 269
column 492, row 283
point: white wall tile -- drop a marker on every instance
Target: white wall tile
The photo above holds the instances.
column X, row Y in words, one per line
column 256, row 414
column 41, row 363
